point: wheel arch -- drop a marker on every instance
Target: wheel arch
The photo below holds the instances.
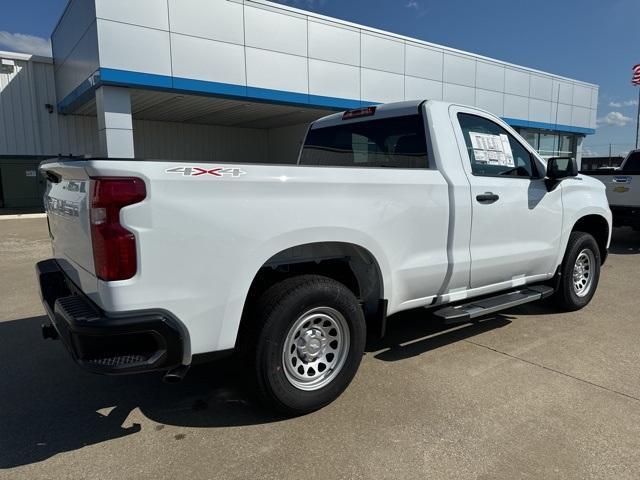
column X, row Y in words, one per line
column 349, row 263
column 597, row 226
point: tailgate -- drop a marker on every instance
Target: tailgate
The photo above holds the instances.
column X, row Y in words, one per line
column 66, row 201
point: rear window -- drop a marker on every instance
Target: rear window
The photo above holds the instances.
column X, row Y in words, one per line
column 397, row 142
column 633, row 163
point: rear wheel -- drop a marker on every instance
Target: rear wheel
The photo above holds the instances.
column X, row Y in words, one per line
column 309, row 336
column 580, row 272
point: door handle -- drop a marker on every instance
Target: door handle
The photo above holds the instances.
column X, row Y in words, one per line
column 487, row 198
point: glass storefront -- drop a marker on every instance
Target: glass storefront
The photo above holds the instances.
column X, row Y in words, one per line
column 551, row 144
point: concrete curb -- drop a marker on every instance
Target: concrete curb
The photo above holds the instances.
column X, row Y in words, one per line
column 23, row 216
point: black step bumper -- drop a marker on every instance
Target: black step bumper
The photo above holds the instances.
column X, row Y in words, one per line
column 125, row 343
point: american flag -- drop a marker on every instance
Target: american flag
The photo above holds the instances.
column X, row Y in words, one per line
column 636, row 75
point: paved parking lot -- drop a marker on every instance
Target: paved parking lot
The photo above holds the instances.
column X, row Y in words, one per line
column 527, row 394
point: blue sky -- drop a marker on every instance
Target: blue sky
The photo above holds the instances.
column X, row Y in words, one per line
column 591, row 40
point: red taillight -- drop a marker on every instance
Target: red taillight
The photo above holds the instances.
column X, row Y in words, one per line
column 360, row 112
column 114, row 247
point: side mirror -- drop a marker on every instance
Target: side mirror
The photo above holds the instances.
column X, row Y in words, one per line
column 561, row 167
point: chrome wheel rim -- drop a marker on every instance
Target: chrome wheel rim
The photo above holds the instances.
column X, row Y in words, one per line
column 583, row 271
column 316, row 348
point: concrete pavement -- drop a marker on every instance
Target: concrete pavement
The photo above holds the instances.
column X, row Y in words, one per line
column 530, row 393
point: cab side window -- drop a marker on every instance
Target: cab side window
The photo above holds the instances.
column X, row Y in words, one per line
column 493, row 151
column 633, row 162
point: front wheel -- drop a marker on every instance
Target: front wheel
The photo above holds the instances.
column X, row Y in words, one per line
column 310, row 339
column 580, row 272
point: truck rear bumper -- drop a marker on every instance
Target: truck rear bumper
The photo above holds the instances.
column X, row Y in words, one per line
column 125, row 343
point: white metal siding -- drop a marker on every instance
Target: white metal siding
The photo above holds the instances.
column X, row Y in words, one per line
column 77, row 17
column 134, row 48
column 17, row 110
column 27, row 128
column 146, row 13
column 75, row 46
column 187, row 54
column 306, row 54
column 257, row 43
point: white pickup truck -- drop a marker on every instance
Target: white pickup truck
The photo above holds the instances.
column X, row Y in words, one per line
column 623, row 190
column 158, row 265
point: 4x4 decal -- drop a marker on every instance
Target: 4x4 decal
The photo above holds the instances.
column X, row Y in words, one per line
column 200, row 172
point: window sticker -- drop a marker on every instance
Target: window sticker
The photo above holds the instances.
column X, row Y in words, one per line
column 492, row 149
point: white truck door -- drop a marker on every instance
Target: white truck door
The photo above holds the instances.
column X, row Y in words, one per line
column 516, row 222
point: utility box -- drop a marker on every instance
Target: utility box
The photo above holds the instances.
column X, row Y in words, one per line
column 21, row 186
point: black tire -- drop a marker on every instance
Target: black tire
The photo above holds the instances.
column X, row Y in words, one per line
column 274, row 316
column 566, row 296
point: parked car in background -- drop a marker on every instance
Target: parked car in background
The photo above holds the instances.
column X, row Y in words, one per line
column 158, row 265
column 623, row 190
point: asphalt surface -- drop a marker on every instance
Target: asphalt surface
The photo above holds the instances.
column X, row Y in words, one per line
column 527, row 394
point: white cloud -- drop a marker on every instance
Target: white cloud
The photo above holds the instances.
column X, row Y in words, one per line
column 615, row 119
column 22, row 43
column 412, row 4
column 626, row 103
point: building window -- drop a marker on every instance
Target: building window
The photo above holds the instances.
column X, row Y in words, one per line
column 548, row 145
column 532, row 138
column 567, row 147
column 551, row 144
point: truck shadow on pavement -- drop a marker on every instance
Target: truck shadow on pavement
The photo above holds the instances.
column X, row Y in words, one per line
column 48, row 405
column 625, row 241
column 414, row 333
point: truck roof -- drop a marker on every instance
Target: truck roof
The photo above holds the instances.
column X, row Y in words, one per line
column 395, row 109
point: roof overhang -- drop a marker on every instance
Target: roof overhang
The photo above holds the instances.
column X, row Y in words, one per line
column 165, row 106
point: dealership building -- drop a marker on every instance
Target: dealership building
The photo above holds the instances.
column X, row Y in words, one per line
column 239, row 81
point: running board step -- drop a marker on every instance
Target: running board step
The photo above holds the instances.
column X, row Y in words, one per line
column 485, row 306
